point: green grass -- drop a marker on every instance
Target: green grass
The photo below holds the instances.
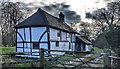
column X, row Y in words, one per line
column 8, row 50
column 64, row 58
column 97, row 49
column 94, row 55
column 48, row 64
column 6, row 58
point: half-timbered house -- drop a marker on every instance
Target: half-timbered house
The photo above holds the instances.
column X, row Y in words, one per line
column 42, row 30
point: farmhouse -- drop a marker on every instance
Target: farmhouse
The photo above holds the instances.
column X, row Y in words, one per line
column 42, row 30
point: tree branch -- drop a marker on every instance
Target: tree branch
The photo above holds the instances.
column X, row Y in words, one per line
column 107, row 21
column 118, row 20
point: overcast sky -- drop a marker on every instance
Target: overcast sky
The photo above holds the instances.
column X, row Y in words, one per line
column 79, row 6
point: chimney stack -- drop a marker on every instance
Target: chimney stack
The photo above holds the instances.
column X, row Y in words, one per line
column 61, row 17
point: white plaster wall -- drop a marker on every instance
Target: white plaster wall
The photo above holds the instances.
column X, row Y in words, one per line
column 63, row 35
column 72, row 46
column 37, row 32
column 53, row 34
column 88, row 47
column 62, row 46
column 69, row 37
column 21, row 31
column 73, row 37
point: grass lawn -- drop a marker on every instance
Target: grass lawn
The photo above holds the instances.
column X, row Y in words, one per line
column 97, row 49
column 7, row 58
column 6, row 50
column 48, row 64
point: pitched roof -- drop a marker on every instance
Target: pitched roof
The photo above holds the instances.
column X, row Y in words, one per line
column 42, row 18
column 84, row 40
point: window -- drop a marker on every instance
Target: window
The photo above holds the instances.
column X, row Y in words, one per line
column 35, row 45
column 59, row 34
column 70, row 44
column 57, row 43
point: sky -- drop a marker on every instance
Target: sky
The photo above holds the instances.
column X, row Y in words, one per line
column 80, row 7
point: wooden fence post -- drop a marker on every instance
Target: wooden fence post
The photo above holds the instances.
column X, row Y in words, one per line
column 42, row 58
column 107, row 60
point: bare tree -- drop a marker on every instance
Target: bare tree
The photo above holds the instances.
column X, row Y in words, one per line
column 107, row 17
column 10, row 16
column 86, row 30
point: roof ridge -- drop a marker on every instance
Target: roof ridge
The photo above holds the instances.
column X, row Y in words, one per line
column 42, row 18
column 44, row 12
column 48, row 13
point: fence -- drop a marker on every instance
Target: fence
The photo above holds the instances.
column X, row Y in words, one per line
column 115, row 61
column 79, row 58
column 72, row 63
column 12, row 55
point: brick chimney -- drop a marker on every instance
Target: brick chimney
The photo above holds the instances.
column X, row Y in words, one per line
column 61, row 17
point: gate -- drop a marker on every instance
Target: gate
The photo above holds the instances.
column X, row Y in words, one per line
column 72, row 60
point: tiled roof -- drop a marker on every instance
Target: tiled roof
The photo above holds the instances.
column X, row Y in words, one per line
column 42, row 18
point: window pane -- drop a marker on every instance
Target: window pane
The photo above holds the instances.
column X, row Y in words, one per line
column 57, row 43
column 58, row 33
column 35, row 45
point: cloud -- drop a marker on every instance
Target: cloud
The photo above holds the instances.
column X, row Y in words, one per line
column 72, row 17
column 88, row 15
column 24, row 7
column 97, row 1
column 31, row 6
column 57, row 7
column 107, row 0
column 111, row 0
column 116, row 0
column 54, row 9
